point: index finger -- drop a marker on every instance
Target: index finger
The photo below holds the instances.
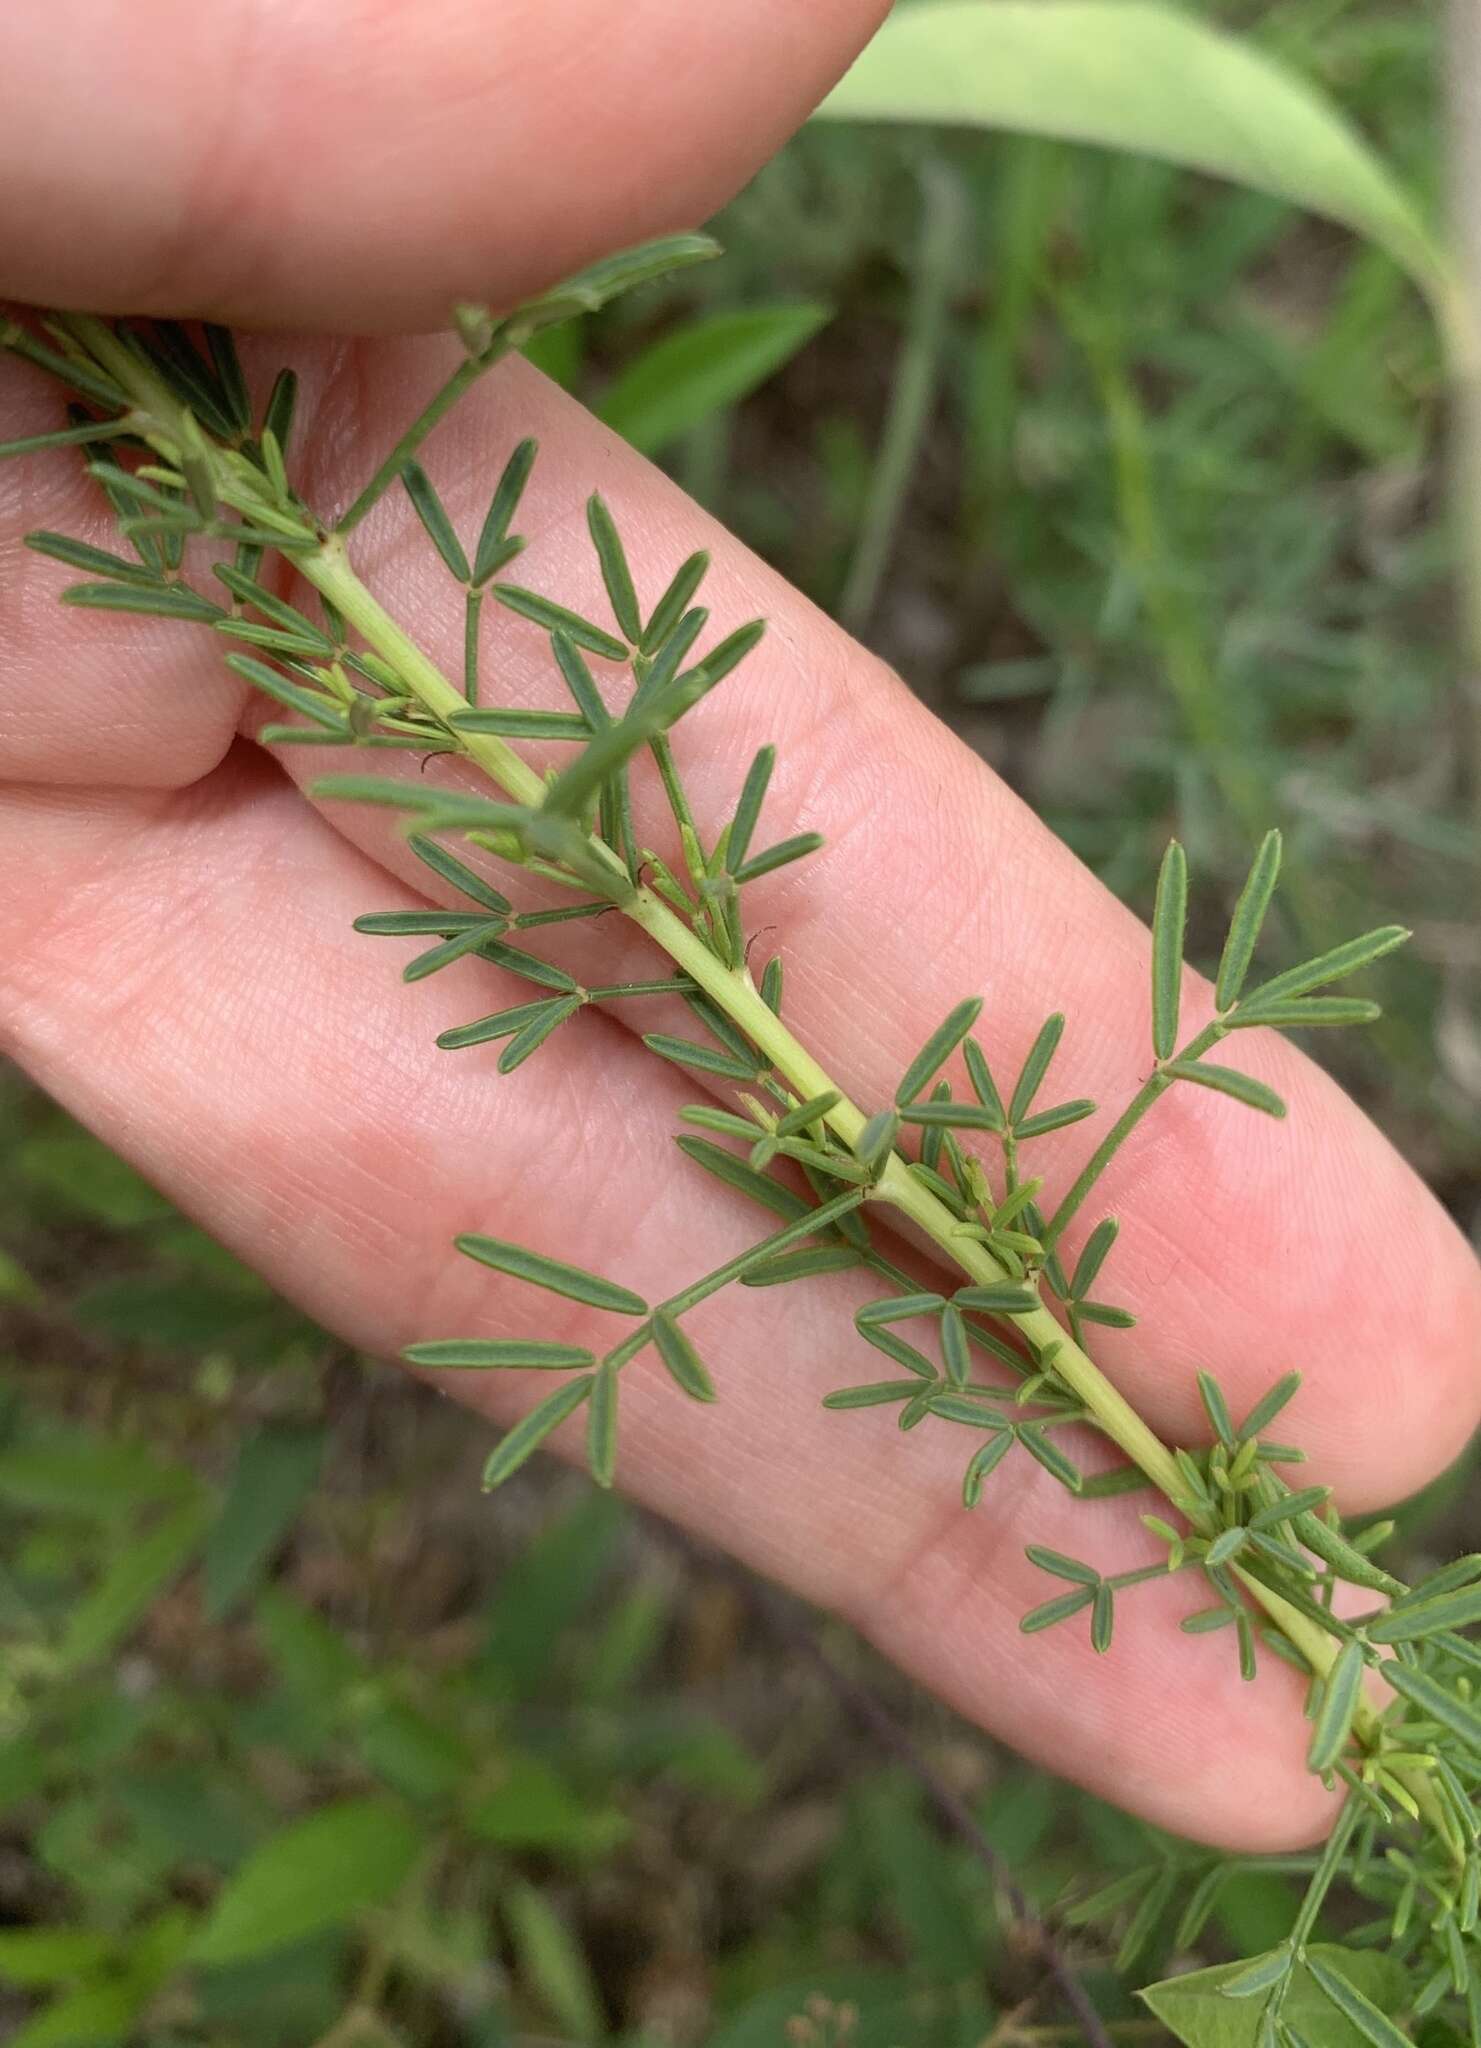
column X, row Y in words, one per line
column 362, row 165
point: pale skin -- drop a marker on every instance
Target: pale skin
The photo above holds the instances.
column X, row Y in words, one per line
column 177, row 964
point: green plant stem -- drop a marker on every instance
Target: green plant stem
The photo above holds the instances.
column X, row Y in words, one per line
column 732, row 988
column 457, row 386
column 328, row 568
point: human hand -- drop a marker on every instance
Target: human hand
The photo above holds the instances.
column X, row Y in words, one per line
column 178, row 966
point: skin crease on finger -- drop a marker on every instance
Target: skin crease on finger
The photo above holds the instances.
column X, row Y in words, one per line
column 336, row 165
column 985, row 899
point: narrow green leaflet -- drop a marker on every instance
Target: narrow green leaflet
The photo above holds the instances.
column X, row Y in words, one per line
column 898, row 1308
column 541, row 972
column 1000, row 1298
column 527, row 1435
column 953, row 1116
column 707, row 1058
column 533, row 1033
column 736, row 1173
column 601, row 1424
column 1247, row 922
column 494, row 545
column 580, row 682
column 1055, row 1611
column 418, row 922
column 803, row 1265
column 937, row 1050
column 78, row 554
column 1108, row 1317
column 1228, row 1081
column 983, row 1085
column 875, row 1394
column 1062, row 1567
column 557, row 618
column 1340, row 1696
column 894, row 1346
column 309, row 703
column 469, row 940
column 1289, row 1506
column 681, row 1361
column 1057, row 1119
column 497, row 1354
column 1412, row 1624
column 1373, row 2025
column 1097, row 1248
column 674, row 603
column 432, row 512
column 956, row 1356
column 247, row 590
column 572, row 1281
column 983, row 1464
column 1041, row 1052
column 1215, row 1407
column 501, row 1024
column 748, row 809
column 164, row 601
column 1437, row 1702
column 806, row 1113
column 62, row 437
column 518, row 723
column 872, row 1146
column 615, row 573
column 1046, row 1452
column 1270, row 1405
column 1336, row 965
column 231, row 382
column 779, row 856
column 1305, row 1013
column 456, row 871
column 651, row 713
column 1169, row 924
column 613, row 276
column 282, row 403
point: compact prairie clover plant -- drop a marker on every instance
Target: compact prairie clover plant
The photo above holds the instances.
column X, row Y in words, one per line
column 201, row 486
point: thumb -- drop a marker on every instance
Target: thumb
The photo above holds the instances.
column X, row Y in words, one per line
column 363, row 164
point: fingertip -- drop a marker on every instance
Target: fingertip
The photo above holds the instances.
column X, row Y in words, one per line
column 363, row 168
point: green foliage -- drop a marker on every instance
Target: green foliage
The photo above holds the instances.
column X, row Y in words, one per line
column 319, row 1872
column 1410, row 1763
column 698, row 371
column 1140, row 77
column 1199, row 2010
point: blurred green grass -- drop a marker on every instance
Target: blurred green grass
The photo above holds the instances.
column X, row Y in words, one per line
column 1160, row 470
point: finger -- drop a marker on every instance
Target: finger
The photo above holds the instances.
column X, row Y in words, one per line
column 90, row 697
column 182, row 975
column 1247, row 1248
column 364, row 166
column 1300, row 1246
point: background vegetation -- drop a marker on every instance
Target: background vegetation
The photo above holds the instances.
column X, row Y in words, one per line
column 1136, row 478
